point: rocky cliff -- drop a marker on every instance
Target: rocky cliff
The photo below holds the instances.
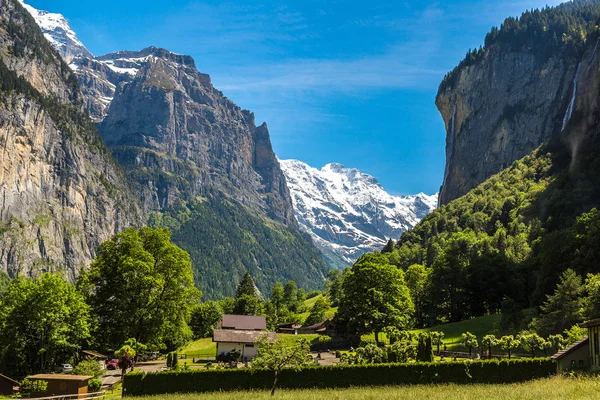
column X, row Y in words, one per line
column 177, row 137
column 514, row 94
column 61, row 192
column 347, row 212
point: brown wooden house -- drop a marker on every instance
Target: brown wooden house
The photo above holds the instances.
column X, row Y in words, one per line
column 60, row 384
column 7, row 385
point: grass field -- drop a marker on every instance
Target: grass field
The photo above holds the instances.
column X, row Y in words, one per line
column 201, row 348
column 547, row 389
column 309, row 305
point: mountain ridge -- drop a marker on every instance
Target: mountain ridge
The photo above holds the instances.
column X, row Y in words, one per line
column 347, row 212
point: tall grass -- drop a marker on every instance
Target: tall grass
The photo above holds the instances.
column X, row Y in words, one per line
column 547, row 389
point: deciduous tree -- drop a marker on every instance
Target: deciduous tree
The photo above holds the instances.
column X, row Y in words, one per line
column 375, row 296
column 141, row 286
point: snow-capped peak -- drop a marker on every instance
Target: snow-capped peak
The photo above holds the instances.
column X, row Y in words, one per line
column 57, row 31
column 347, row 212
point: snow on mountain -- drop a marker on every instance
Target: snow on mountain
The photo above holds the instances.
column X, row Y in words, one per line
column 347, row 212
column 57, row 31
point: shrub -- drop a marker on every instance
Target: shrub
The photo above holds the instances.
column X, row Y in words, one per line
column 94, row 385
column 88, row 367
column 195, row 381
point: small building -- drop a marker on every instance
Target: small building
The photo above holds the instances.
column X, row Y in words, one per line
column 593, row 328
column 99, row 357
column 241, row 332
column 59, row 384
column 8, row 386
column 326, row 327
column 576, row 356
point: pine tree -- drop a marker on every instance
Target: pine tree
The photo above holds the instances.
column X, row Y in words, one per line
column 246, row 287
column 389, row 247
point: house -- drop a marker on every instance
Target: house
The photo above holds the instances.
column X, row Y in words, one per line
column 100, row 358
column 8, row 386
column 326, row 327
column 593, row 328
column 59, row 384
column 576, row 356
column 240, row 332
column 584, row 354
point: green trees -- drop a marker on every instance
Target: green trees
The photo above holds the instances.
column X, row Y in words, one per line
column 126, row 355
column 532, row 342
column 88, row 367
column 44, row 321
column 141, row 286
column 490, row 342
column 424, row 348
column 591, row 304
column 204, row 318
column 509, row 343
column 275, row 355
column 317, row 313
column 247, row 301
column 246, row 287
column 375, row 296
column 563, row 308
column 469, row 341
column 437, row 339
column 418, row 282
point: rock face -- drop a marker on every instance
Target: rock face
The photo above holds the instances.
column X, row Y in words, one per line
column 500, row 110
column 61, row 192
column 347, row 212
column 200, row 166
column 177, row 136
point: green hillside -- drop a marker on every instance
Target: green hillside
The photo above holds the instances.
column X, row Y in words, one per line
column 225, row 240
column 510, row 237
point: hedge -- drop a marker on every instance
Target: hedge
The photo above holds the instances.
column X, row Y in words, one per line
column 195, row 381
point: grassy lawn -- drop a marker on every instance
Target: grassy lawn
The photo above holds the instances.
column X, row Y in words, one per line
column 309, row 305
column 201, row 348
column 547, row 389
column 480, row 327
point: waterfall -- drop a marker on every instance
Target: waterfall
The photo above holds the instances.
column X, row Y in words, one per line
column 571, row 106
column 593, row 54
column 449, row 148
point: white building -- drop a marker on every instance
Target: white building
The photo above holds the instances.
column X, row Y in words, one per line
column 241, row 332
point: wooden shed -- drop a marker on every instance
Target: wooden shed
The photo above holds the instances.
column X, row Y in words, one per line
column 59, row 384
column 7, row 385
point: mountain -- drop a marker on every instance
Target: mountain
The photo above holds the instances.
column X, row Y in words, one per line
column 503, row 245
column 199, row 164
column 347, row 212
column 57, row 31
column 507, row 98
column 62, row 192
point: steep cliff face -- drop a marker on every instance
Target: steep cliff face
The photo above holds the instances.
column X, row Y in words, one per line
column 61, row 192
column 177, row 137
column 511, row 98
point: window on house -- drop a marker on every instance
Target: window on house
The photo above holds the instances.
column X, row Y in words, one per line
column 249, row 345
column 596, row 343
column 580, row 363
column 572, row 363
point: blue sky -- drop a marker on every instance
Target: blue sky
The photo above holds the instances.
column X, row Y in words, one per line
column 336, row 81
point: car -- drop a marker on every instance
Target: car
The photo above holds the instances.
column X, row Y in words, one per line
column 65, row 368
column 113, row 364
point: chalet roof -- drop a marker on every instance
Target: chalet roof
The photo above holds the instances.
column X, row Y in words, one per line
column 564, row 352
column 6, row 378
column 243, row 322
column 240, row 336
column 589, row 324
column 94, row 354
column 60, row 377
column 316, row 327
